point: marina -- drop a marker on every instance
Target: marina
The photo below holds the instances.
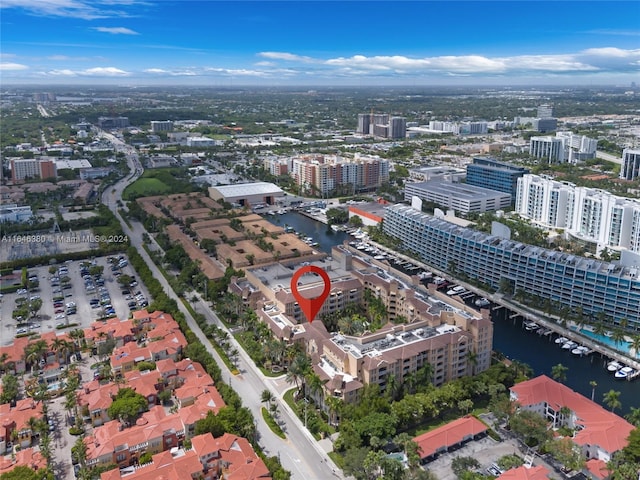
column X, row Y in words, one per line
column 541, row 352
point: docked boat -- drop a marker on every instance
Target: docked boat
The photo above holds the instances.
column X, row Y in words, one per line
column 569, row 345
column 614, row 366
column 531, row 326
column 561, row 340
column 335, row 228
column 624, row 372
column 482, row 302
column 580, row 350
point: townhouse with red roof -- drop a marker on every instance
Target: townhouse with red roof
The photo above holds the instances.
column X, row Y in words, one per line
column 228, row 457
column 28, row 457
column 524, row 472
column 599, row 432
column 16, row 419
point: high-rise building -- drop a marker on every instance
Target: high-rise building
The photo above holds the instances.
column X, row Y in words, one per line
column 489, row 173
column 364, row 124
column 630, row 164
column 545, row 111
column 325, row 173
column 379, row 125
column 589, row 215
column 42, row 168
column 549, row 149
column 398, row 127
column 161, row 126
column 574, row 281
column 113, row 122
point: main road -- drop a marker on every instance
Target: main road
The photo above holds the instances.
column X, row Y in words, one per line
column 299, row 453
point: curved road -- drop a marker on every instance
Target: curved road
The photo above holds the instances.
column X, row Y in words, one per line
column 299, row 453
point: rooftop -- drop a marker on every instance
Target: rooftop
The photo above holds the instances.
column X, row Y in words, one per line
column 248, row 189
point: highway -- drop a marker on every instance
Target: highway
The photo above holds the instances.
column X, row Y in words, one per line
column 299, row 453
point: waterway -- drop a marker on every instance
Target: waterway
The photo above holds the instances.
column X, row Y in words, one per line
column 539, row 352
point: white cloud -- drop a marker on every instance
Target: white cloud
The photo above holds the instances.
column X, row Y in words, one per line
column 116, row 30
column 84, row 9
column 607, row 60
column 89, row 72
column 104, row 72
column 155, row 70
column 290, row 57
column 6, row 66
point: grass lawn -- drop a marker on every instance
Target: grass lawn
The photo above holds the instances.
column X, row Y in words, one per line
column 145, row 187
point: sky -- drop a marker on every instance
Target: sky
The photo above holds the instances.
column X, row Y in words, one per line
column 360, row 43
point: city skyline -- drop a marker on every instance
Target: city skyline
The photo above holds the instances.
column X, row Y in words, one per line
column 136, row 42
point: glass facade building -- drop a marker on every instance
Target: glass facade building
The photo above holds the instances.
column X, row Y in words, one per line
column 494, row 175
column 573, row 281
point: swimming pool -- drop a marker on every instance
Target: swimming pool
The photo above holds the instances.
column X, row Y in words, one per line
column 623, row 347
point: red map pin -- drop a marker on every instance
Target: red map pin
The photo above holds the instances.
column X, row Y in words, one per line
column 310, row 306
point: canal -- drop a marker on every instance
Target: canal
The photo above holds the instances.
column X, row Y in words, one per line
column 539, row 352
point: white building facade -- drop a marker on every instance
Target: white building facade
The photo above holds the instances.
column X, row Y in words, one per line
column 587, row 214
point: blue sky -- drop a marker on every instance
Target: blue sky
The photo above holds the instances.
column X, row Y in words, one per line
column 128, row 42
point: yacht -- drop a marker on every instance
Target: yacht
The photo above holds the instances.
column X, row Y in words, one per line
column 482, row 302
column 569, row 345
column 580, row 350
column 531, row 326
column 614, row 366
column 624, row 372
column 561, row 340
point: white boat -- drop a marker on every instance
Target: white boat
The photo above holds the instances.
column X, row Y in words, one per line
column 614, row 366
column 580, row 350
column 560, row 340
column 624, row 372
column 335, row 228
column 569, row 345
column 531, row 326
column 482, row 302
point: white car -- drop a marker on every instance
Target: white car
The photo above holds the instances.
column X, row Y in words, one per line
column 60, row 316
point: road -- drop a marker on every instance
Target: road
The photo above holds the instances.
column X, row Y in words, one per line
column 299, row 453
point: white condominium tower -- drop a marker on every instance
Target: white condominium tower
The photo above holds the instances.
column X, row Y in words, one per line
column 587, row 214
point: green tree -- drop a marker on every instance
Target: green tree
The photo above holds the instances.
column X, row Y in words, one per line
column 460, row 465
column 567, row 453
column 612, row 399
column 127, row 405
column 559, row 372
column 531, row 426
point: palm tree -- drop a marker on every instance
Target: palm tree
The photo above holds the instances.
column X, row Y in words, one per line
column 58, row 345
column 335, row 405
column 618, row 336
column 267, row 397
column 559, row 372
column 633, row 416
column 593, row 385
column 612, row 399
column 635, row 344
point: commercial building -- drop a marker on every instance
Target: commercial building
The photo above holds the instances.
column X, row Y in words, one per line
column 113, row 122
column 93, row 173
column 11, row 212
column 573, row 281
column 545, row 111
column 630, row 164
column 30, row 168
column 161, row 126
column 324, row 174
column 489, row 173
column 247, row 194
column 203, row 142
column 371, row 213
column 461, row 197
column 592, row 216
column 565, row 147
column 599, row 433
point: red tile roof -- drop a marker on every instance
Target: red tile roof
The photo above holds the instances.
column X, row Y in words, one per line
column 600, row 427
column 450, row 434
column 598, row 468
column 526, row 473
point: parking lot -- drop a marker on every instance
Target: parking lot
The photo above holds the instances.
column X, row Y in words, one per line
column 72, row 297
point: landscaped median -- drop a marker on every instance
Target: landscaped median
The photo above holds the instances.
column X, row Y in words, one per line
column 270, row 421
